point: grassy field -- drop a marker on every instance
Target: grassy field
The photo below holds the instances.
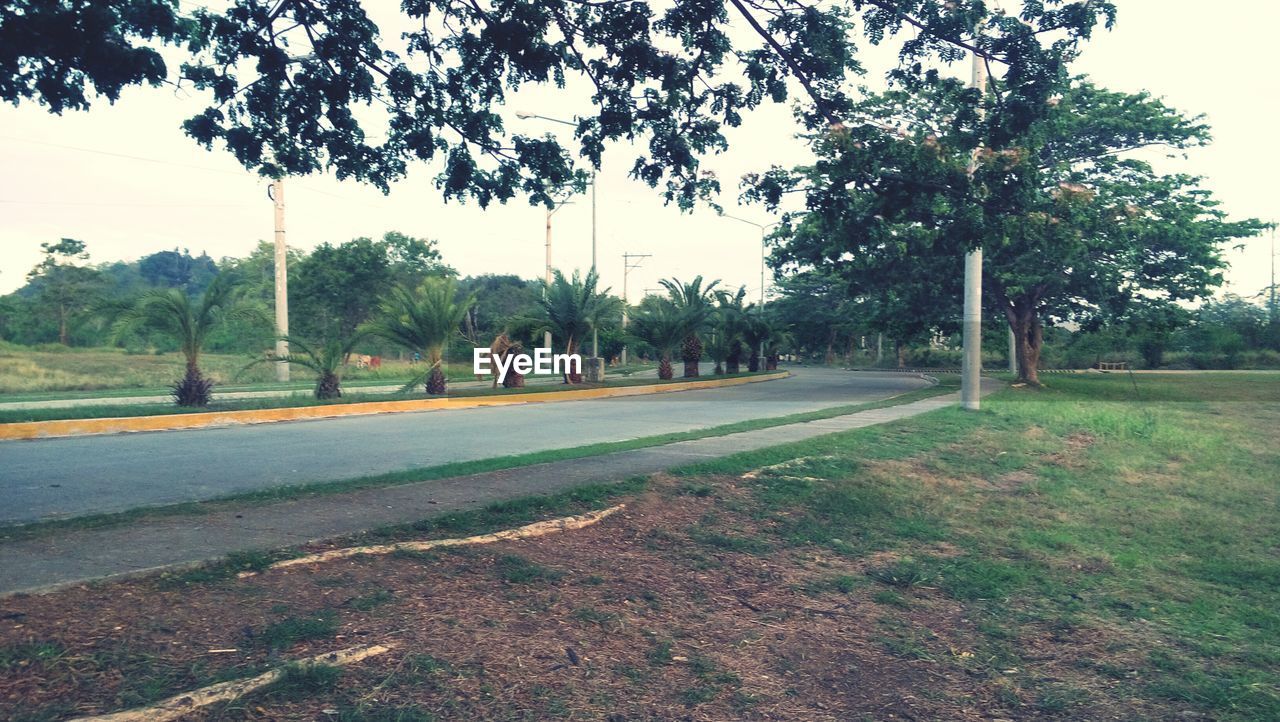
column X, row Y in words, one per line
column 31, row 375
column 1079, row 552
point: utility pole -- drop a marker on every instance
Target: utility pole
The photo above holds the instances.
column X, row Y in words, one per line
column 627, row 267
column 971, row 368
column 1271, row 310
column 1013, row 353
column 595, row 334
column 282, row 282
column 547, row 273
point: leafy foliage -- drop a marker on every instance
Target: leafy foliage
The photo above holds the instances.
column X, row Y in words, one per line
column 300, row 86
column 572, row 307
column 1071, row 227
column 662, row 325
column 424, row 321
column 189, row 321
column 694, row 302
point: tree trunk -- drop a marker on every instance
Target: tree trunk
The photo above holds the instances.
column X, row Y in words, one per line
column 831, row 348
column 753, row 362
column 194, row 389
column 733, row 362
column 572, row 378
column 901, row 350
column 62, row 324
column 691, row 353
column 771, row 362
column 437, row 382
column 328, row 386
column 1028, row 335
column 665, row 372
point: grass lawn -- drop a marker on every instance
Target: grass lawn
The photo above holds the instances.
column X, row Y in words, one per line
column 1065, row 553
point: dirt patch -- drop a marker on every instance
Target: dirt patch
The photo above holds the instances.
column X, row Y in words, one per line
column 678, row 607
column 913, row 470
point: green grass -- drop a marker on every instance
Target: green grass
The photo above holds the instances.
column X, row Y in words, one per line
column 286, row 493
column 515, row 569
column 1085, row 510
column 291, row 630
column 51, row 371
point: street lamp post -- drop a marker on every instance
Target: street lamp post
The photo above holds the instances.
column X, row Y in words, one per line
column 595, row 336
column 627, row 267
column 763, row 227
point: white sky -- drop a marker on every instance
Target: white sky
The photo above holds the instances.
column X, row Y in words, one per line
column 1221, row 62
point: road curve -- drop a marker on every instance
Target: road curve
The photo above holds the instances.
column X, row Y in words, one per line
column 58, row 478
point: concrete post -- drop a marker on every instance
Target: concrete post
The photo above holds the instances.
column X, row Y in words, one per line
column 282, row 282
column 971, row 368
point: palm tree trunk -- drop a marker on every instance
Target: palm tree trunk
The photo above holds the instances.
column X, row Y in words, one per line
column 194, row 389
column 437, row 382
column 691, row 353
column 572, row 377
column 665, row 372
column 328, row 386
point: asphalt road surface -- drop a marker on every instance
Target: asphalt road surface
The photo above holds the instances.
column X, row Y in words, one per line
column 57, row 478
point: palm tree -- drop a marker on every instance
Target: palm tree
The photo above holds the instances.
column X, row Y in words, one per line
column 424, row 321
column 664, row 327
column 694, row 301
column 717, row 347
column 755, row 332
column 572, row 307
column 732, row 316
column 777, row 340
column 324, row 360
column 189, row 321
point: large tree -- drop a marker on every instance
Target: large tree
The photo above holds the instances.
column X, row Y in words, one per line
column 1072, row 224
column 62, row 285
column 298, row 86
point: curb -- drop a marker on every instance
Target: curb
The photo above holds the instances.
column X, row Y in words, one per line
column 27, row 430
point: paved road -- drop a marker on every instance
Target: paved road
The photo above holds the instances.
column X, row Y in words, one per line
column 56, row 478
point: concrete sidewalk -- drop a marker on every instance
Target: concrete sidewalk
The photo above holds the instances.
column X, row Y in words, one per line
column 79, row 556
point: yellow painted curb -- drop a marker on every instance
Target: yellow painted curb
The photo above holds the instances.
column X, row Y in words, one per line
column 173, row 422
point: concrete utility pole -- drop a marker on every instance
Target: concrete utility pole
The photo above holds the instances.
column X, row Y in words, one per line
column 971, row 367
column 627, row 267
column 1271, row 310
column 1013, row 353
column 547, row 273
column 282, row 282
column 595, row 334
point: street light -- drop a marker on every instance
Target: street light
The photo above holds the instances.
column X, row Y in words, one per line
column 523, row 115
column 763, row 227
column 627, row 266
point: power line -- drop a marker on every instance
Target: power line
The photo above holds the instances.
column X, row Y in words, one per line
column 161, row 161
column 126, row 204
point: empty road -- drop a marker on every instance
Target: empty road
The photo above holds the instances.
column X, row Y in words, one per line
column 58, row 478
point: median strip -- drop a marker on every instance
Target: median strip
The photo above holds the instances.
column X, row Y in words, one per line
column 175, row 422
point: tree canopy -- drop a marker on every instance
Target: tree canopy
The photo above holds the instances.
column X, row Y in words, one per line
column 1071, row 223
column 299, row 86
